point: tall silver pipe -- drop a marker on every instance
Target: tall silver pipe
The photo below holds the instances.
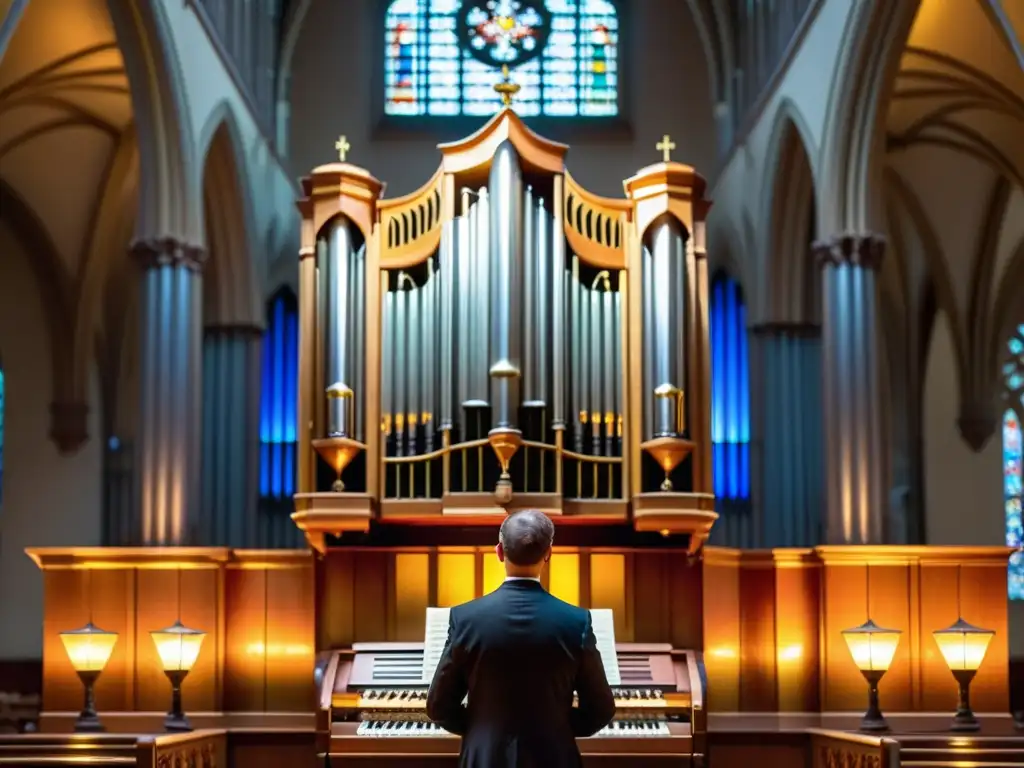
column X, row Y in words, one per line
column 401, row 359
column 337, row 285
column 668, row 268
column 647, row 275
column 530, row 269
column 464, row 285
column 542, row 333
column 576, row 404
column 429, row 323
column 559, row 296
column 506, row 257
column 358, row 382
column 595, row 371
column 617, row 360
column 446, row 269
column 609, row 370
column 414, row 367
column 482, row 318
column 387, row 366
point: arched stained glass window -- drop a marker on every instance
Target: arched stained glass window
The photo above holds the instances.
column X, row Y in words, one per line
column 278, row 400
column 730, row 390
column 443, row 57
column 1013, row 474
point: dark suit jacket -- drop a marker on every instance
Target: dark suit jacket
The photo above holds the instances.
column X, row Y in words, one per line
column 519, row 653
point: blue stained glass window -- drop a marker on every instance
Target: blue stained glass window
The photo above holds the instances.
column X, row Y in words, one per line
column 279, row 397
column 443, row 57
column 1013, row 474
column 730, row 390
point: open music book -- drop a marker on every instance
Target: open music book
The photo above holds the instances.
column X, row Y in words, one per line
column 436, row 634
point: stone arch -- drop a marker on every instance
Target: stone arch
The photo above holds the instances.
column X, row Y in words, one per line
column 853, row 146
column 166, row 207
column 292, row 27
column 67, row 415
column 99, row 301
column 231, row 292
column 789, row 285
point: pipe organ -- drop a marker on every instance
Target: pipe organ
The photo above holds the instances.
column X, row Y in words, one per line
column 502, row 338
column 519, row 341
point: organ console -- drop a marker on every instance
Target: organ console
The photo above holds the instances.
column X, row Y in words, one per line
column 503, row 338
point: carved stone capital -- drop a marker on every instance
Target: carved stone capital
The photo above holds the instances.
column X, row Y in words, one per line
column 858, row 250
column 168, row 251
column 68, row 425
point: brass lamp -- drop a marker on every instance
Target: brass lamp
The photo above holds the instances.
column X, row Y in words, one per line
column 178, row 648
column 963, row 646
column 873, row 649
column 89, row 650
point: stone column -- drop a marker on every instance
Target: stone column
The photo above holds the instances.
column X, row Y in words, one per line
column 170, row 379
column 854, row 458
column 230, row 430
column 790, row 498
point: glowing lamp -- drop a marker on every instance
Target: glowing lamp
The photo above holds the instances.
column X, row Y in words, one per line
column 178, row 648
column 963, row 646
column 89, row 650
column 872, row 649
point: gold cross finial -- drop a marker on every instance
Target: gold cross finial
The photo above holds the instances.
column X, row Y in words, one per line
column 506, row 88
column 343, row 147
column 665, row 146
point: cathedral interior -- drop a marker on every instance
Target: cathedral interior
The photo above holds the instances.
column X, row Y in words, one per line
column 733, row 290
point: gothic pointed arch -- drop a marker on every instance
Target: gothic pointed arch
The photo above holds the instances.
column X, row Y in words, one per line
column 853, row 148
column 790, row 281
column 231, row 295
column 67, row 425
column 166, row 206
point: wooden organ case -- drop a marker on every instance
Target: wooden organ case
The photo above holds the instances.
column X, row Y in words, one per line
column 502, row 339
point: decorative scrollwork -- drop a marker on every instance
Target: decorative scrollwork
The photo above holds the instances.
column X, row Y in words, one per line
column 840, row 757
column 411, row 225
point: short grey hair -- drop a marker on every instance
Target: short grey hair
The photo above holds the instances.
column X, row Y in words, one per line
column 526, row 536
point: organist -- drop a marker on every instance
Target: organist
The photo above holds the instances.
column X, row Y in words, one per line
column 519, row 653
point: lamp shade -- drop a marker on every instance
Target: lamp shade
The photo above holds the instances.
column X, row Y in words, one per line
column 871, row 646
column 963, row 645
column 89, row 647
column 178, row 646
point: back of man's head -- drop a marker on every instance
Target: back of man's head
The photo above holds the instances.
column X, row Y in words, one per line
column 526, row 537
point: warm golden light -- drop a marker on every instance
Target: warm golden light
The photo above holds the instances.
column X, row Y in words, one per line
column 963, row 645
column 871, row 646
column 178, row 646
column 89, row 648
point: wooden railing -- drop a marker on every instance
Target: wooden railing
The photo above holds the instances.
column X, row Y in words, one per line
column 835, row 749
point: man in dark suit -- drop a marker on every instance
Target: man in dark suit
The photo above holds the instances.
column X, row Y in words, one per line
column 519, row 653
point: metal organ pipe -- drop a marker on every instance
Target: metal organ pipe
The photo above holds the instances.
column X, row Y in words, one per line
column 506, row 254
column 542, row 228
column 337, row 279
column 462, row 256
column 530, row 269
column 665, row 304
column 559, row 300
column 387, row 373
column 429, row 330
column 413, row 363
column 401, row 356
column 610, row 368
column 594, row 367
column 359, row 342
column 481, row 256
column 578, row 336
column 446, row 268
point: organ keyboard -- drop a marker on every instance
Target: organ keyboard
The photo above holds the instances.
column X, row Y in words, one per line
column 374, row 697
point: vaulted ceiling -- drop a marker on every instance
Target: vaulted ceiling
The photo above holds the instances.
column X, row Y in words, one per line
column 955, row 178
column 68, row 167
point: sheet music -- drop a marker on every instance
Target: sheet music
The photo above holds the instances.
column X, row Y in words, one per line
column 435, row 636
column 603, row 621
